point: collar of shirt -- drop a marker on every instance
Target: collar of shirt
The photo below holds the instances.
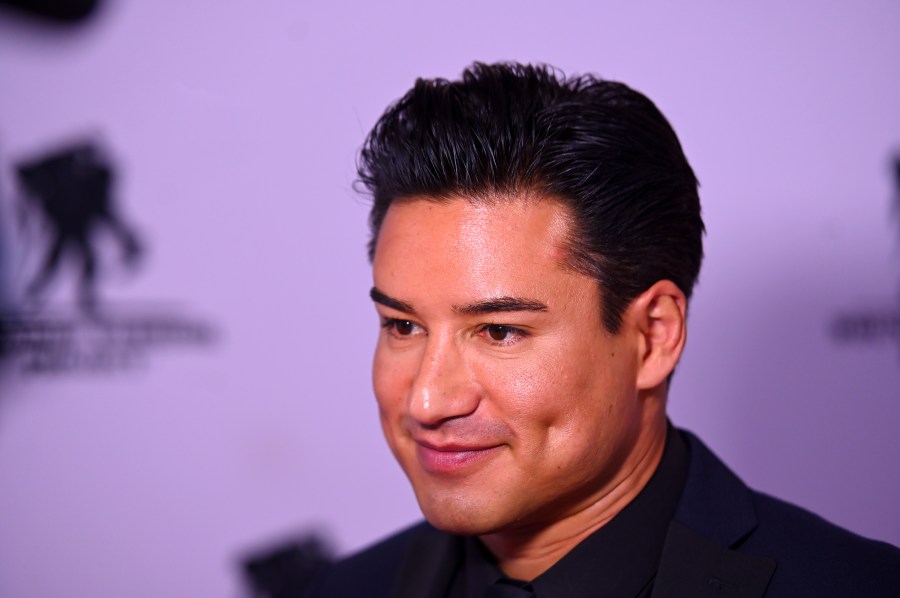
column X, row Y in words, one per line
column 620, row 559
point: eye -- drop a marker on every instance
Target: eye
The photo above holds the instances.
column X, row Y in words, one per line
column 402, row 327
column 501, row 334
column 498, row 332
column 399, row 328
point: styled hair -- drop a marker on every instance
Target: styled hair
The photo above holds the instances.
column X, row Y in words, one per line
column 511, row 130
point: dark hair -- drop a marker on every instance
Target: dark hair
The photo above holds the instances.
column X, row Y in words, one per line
column 599, row 147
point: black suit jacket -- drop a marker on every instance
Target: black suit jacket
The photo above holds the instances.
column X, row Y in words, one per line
column 725, row 540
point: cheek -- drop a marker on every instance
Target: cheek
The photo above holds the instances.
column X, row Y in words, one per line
column 554, row 400
column 392, row 376
column 388, row 385
column 527, row 396
column 527, row 389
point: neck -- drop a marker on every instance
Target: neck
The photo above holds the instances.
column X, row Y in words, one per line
column 526, row 553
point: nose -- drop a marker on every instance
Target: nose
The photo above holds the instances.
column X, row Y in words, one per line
column 444, row 387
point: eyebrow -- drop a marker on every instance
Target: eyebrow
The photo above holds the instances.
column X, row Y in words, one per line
column 379, row 297
column 500, row 304
column 495, row 305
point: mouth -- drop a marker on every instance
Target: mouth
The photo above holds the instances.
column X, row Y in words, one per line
column 452, row 458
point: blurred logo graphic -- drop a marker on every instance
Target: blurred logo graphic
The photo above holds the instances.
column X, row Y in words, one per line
column 71, row 191
column 63, row 12
column 66, row 214
column 880, row 325
column 285, row 570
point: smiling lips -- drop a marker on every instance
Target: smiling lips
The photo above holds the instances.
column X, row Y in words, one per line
column 452, row 458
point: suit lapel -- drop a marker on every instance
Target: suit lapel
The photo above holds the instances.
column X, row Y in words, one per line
column 693, row 565
column 428, row 565
column 714, row 514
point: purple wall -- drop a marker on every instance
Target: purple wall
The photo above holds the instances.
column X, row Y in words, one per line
column 236, row 127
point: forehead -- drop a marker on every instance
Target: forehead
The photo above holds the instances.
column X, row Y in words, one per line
column 467, row 228
column 467, row 249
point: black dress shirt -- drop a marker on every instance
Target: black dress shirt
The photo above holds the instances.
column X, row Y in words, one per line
column 617, row 561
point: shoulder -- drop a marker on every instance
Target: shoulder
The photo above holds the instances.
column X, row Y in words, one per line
column 813, row 557
column 371, row 571
column 812, row 552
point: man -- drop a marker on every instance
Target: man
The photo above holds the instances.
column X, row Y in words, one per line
column 535, row 241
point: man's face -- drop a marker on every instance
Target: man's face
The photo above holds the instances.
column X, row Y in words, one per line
column 504, row 399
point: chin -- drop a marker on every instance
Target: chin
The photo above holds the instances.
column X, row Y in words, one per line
column 460, row 526
column 460, row 515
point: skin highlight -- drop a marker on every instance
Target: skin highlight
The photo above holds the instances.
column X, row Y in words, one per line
column 516, row 416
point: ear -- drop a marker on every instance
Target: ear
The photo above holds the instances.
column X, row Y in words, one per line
column 659, row 315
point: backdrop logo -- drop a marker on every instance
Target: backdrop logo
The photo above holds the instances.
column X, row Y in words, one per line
column 69, row 227
column 876, row 325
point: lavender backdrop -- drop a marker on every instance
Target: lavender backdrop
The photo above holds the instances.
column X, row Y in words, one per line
column 235, row 126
